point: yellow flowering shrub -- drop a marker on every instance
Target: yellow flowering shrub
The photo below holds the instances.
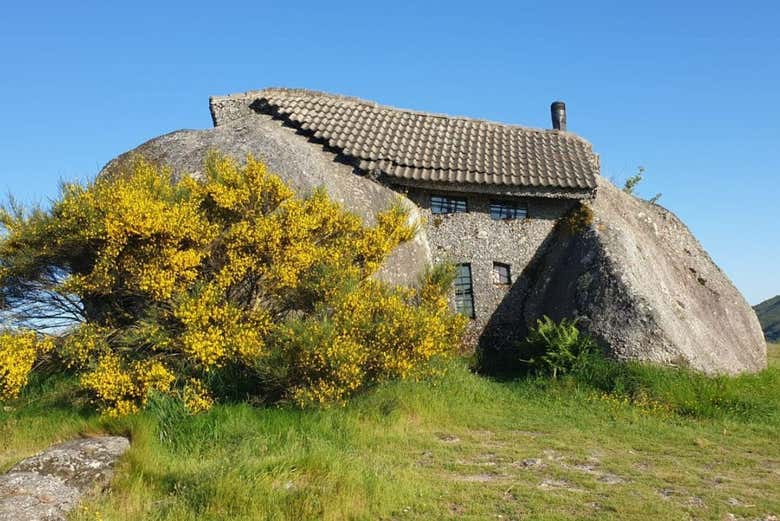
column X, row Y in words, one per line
column 123, row 387
column 195, row 397
column 175, row 283
column 373, row 333
column 18, row 354
column 86, row 342
column 146, row 235
column 214, row 330
column 112, row 383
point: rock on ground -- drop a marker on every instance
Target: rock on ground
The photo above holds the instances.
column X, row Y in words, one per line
column 302, row 163
column 646, row 289
column 48, row 485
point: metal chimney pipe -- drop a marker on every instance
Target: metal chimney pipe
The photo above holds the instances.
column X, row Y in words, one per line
column 558, row 112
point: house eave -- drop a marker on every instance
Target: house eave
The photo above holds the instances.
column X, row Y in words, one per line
column 547, row 192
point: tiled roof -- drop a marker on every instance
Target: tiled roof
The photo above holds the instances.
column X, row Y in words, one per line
column 416, row 146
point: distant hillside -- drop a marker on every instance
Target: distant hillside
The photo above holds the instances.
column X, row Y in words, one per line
column 769, row 315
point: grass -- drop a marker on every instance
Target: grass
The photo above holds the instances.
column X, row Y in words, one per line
column 657, row 444
column 773, row 354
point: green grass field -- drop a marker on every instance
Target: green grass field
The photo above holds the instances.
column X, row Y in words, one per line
column 463, row 447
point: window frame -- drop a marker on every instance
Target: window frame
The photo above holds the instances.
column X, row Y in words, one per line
column 497, row 276
column 503, row 204
column 464, row 294
column 453, row 204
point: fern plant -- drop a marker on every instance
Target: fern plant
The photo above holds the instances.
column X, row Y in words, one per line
column 561, row 346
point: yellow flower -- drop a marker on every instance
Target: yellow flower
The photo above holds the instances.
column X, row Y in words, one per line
column 196, row 398
column 18, row 353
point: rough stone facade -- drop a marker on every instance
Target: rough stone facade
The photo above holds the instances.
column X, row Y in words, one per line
column 476, row 239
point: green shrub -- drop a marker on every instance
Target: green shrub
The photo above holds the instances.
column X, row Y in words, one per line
column 556, row 348
column 631, row 182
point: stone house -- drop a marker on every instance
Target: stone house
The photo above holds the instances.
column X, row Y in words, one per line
column 490, row 196
column 490, row 192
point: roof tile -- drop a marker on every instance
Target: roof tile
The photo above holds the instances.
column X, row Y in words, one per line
column 420, row 146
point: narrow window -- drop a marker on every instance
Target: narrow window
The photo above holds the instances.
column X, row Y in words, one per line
column 445, row 204
column 501, row 274
column 464, row 291
column 508, row 210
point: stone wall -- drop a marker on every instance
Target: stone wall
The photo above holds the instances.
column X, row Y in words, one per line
column 475, row 238
column 225, row 109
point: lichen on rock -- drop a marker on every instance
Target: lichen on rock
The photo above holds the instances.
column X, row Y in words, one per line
column 47, row 486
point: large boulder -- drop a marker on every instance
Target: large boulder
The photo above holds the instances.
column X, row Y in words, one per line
column 645, row 288
column 47, row 486
column 302, row 163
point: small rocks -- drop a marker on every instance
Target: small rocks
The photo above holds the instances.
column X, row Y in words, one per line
column 584, row 467
column 591, row 466
column 734, row 502
column 667, row 493
column 552, row 455
column 426, row 459
column 695, row 502
column 611, row 479
column 447, row 438
column 553, row 483
column 531, row 463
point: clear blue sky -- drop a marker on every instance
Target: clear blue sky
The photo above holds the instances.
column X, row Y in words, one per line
column 686, row 89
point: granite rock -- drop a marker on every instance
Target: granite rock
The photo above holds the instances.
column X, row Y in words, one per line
column 644, row 287
column 45, row 487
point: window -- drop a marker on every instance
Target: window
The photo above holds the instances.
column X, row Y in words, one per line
column 445, row 204
column 501, row 274
column 507, row 210
column 464, row 291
